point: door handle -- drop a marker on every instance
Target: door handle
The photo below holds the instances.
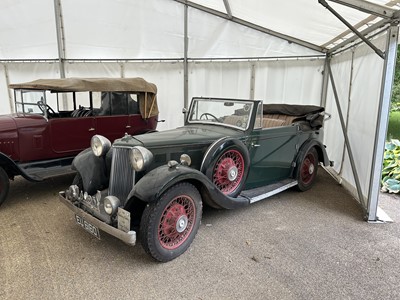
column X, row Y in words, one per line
column 128, row 126
column 91, row 129
column 255, row 145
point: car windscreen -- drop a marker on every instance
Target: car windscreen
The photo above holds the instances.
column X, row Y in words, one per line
column 232, row 113
column 27, row 101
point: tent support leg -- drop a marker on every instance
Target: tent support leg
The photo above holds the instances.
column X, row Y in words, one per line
column 382, row 122
column 60, row 36
column 10, row 99
column 346, row 139
column 325, row 81
column 252, row 81
column 185, row 59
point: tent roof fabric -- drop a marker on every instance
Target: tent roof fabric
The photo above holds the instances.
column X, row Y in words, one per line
column 304, row 20
column 301, row 22
column 89, row 84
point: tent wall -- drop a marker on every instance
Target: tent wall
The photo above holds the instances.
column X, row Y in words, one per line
column 278, row 81
column 358, row 77
column 129, row 38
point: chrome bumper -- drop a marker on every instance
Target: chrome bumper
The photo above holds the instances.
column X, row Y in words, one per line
column 127, row 237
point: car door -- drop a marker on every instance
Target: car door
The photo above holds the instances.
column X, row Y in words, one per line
column 71, row 134
column 112, row 119
column 272, row 151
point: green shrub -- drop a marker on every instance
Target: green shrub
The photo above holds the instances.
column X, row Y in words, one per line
column 391, row 167
column 393, row 131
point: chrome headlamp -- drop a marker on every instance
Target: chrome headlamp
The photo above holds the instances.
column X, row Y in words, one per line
column 185, row 160
column 111, row 204
column 100, row 145
column 140, row 158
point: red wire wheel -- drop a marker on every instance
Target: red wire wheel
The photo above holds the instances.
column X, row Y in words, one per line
column 169, row 225
column 229, row 171
column 308, row 170
column 226, row 163
column 176, row 222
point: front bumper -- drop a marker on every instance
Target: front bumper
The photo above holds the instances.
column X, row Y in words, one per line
column 127, row 237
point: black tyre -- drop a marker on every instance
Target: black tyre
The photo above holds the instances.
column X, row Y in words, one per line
column 4, row 185
column 169, row 225
column 307, row 171
column 227, row 166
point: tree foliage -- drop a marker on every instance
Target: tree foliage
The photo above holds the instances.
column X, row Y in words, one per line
column 396, row 86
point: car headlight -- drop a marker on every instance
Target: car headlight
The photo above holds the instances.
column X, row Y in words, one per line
column 186, row 160
column 100, row 145
column 140, row 158
column 111, row 204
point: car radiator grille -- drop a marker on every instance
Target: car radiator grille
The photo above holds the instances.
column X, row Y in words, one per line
column 122, row 178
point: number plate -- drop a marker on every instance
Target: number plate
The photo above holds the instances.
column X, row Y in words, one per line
column 87, row 226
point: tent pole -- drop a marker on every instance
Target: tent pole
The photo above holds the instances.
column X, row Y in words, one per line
column 252, row 25
column 252, row 81
column 10, row 98
column 185, row 59
column 60, row 36
column 325, row 80
column 346, row 139
column 352, row 28
column 382, row 121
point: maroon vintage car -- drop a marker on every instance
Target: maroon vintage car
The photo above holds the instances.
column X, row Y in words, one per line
column 56, row 118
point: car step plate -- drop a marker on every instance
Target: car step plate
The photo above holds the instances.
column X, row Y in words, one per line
column 261, row 193
column 93, row 230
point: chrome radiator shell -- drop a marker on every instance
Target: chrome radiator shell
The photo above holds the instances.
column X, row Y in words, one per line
column 122, row 176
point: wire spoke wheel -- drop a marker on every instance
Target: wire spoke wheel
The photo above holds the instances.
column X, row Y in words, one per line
column 176, row 222
column 308, row 170
column 169, row 225
column 229, row 171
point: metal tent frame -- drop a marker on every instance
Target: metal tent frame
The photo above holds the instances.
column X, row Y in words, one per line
column 391, row 21
column 388, row 24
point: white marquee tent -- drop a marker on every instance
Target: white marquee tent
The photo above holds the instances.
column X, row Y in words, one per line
column 337, row 53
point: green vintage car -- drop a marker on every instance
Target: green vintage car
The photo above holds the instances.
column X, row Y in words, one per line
column 230, row 153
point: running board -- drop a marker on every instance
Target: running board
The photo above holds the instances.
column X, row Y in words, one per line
column 264, row 192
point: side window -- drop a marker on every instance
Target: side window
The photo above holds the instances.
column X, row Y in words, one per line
column 115, row 103
column 103, row 104
column 133, row 104
column 259, row 117
column 82, row 104
column 119, row 103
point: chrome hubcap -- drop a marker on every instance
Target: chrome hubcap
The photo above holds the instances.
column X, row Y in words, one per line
column 232, row 173
column 181, row 224
column 311, row 169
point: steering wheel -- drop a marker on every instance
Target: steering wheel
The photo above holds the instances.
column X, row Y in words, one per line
column 44, row 107
column 209, row 114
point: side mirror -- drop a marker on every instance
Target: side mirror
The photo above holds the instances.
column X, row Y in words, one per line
column 184, row 110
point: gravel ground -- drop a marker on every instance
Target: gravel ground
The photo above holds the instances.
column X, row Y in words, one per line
column 311, row 245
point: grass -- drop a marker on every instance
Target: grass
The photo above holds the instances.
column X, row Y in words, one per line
column 394, row 126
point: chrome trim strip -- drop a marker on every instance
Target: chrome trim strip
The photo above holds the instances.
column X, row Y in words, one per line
column 208, row 151
column 273, row 192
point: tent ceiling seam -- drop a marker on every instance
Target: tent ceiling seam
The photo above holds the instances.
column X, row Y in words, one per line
column 382, row 11
column 253, row 26
column 357, row 26
column 365, row 33
column 344, row 21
